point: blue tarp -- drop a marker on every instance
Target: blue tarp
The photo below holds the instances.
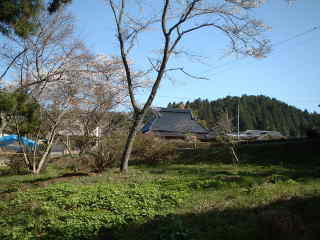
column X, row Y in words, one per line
column 6, row 140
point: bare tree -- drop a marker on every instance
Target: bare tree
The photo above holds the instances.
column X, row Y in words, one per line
column 46, row 55
column 176, row 20
column 103, row 90
column 222, row 129
column 47, row 70
column 82, row 96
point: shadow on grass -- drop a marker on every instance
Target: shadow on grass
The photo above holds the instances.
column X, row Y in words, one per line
column 290, row 154
column 57, row 178
column 7, row 172
column 293, row 219
column 292, row 160
column 249, row 172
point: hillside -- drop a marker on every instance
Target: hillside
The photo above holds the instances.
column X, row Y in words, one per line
column 256, row 112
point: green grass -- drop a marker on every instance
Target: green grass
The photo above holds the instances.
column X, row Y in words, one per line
column 273, row 194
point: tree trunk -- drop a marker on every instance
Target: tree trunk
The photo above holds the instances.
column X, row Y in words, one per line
column 43, row 159
column 25, row 158
column 3, row 122
column 47, row 151
column 129, row 144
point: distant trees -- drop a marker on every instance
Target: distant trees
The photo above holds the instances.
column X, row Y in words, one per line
column 256, row 112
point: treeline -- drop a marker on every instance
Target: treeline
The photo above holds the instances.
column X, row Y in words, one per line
column 256, row 112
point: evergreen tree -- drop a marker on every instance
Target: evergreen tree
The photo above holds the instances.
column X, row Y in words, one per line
column 256, row 112
column 18, row 108
column 16, row 16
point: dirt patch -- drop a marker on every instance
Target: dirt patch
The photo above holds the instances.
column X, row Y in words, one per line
column 63, row 178
column 11, row 189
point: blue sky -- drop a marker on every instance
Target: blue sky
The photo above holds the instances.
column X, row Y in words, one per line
column 290, row 73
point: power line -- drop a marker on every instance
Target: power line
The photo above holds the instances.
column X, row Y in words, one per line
column 281, row 42
column 297, row 36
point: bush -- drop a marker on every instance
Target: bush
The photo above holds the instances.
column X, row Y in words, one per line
column 103, row 154
column 227, row 148
column 280, row 224
column 152, row 150
column 313, row 133
column 83, row 143
column 74, row 163
column 108, row 152
column 16, row 164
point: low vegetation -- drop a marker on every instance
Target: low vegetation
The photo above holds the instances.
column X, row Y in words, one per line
column 274, row 193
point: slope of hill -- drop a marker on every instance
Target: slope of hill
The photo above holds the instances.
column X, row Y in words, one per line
column 256, row 112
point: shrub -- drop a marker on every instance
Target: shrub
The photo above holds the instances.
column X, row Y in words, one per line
column 176, row 230
column 74, row 163
column 152, row 150
column 227, row 148
column 313, row 133
column 83, row 143
column 280, row 224
column 104, row 154
column 16, row 164
column 108, row 151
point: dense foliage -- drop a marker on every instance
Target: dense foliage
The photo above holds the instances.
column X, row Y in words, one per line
column 19, row 109
column 150, row 149
column 54, row 5
column 66, row 211
column 16, row 16
column 256, row 112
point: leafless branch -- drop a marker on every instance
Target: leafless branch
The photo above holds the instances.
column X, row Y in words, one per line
column 12, row 62
column 186, row 73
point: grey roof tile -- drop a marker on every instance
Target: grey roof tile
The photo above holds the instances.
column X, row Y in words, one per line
column 174, row 120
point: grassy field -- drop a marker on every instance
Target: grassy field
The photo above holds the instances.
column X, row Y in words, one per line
column 274, row 193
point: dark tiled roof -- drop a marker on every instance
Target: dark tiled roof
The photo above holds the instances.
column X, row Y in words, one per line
column 174, row 120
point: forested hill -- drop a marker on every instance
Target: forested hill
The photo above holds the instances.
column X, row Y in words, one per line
column 256, row 112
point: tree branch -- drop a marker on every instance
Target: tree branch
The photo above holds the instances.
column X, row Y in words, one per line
column 123, row 53
column 12, row 62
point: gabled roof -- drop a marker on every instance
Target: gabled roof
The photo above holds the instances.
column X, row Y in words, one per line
column 174, row 120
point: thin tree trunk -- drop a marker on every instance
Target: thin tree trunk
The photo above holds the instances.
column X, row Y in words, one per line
column 3, row 123
column 67, row 145
column 25, row 158
column 34, row 168
column 43, row 158
column 129, row 144
column 235, row 157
